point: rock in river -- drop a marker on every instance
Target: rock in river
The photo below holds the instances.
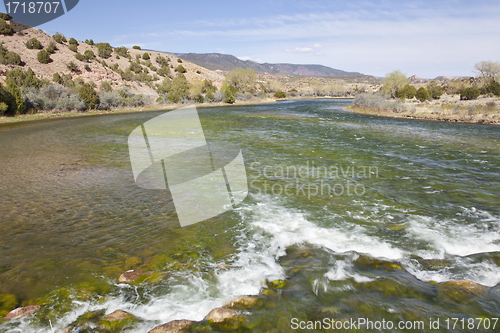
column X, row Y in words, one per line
column 176, row 326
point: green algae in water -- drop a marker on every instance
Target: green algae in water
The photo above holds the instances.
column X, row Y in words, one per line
column 74, row 219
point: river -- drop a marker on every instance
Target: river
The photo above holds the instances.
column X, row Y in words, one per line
column 361, row 216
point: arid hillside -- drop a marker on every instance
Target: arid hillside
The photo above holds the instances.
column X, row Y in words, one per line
column 98, row 69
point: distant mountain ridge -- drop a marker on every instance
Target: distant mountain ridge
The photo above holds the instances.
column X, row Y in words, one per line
column 226, row 62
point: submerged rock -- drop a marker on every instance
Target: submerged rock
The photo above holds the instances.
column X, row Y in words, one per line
column 132, row 276
column 218, row 315
column 365, row 262
column 223, row 319
column 22, row 312
column 118, row 320
column 243, row 302
column 176, row 326
column 461, row 291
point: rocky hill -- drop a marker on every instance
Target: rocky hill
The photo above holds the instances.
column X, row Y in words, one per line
column 226, row 62
column 96, row 70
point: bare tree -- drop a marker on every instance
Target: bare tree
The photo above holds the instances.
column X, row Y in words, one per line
column 489, row 70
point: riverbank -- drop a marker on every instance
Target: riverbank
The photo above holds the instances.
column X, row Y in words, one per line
column 450, row 108
column 156, row 107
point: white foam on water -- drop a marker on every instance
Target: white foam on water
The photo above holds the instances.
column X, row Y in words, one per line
column 342, row 270
column 456, row 236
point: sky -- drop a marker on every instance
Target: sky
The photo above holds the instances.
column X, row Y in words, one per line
column 423, row 38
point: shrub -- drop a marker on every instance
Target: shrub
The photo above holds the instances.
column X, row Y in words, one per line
column 51, row 48
column 469, row 93
column 180, row 69
column 43, row 57
column 164, row 71
column 89, row 55
column 59, row 38
column 9, row 57
column 121, row 51
column 492, row 88
column 104, row 50
column 56, row 77
column 209, row 96
column 34, row 43
column 135, row 47
column 229, row 99
column 72, row 66
column 145, row 56
column 88, row 95
column 161, row 60
column 179, row 60
column 105, row 86
column 134, row 67
column 280, row 94
column 89, row 42
column 80, row 57
column 87, row 67
column 422, row 94
column 5, row 28
column 23, row 79
column 73, row 41
column 198, row 72
column 373, row 101
column 5, row 17
column 20, row 106
column 73, row 47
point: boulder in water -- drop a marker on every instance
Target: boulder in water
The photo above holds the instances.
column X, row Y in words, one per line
column 22, row 312
column 175, row 326
column 132, row 276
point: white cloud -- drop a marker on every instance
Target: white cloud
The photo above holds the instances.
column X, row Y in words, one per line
column 244, row 58
column 300, row 50
column 317, row 45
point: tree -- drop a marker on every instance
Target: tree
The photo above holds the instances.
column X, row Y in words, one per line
column 145, row 56
column 73, row 47
column 422, row 94
column 241, row 80
column 20, row 107
column 88, row 94
column 469, row 93
column 490, row 70
column 89, row 42
column 34, row 43
column 135, row 47
column 408, row 91
column 43, row 57
column 59, row 38
column 435, row 90
column 73, row 41
column 8, row 57
column 104, row 50
column 394, row 81
column 5, row 28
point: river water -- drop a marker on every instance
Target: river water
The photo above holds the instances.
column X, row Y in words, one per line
column 361, row 216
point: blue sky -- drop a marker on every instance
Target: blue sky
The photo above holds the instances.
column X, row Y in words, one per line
column 423, row 38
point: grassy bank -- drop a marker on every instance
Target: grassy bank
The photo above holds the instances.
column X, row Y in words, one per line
column 156, row 107
column 449, row 108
